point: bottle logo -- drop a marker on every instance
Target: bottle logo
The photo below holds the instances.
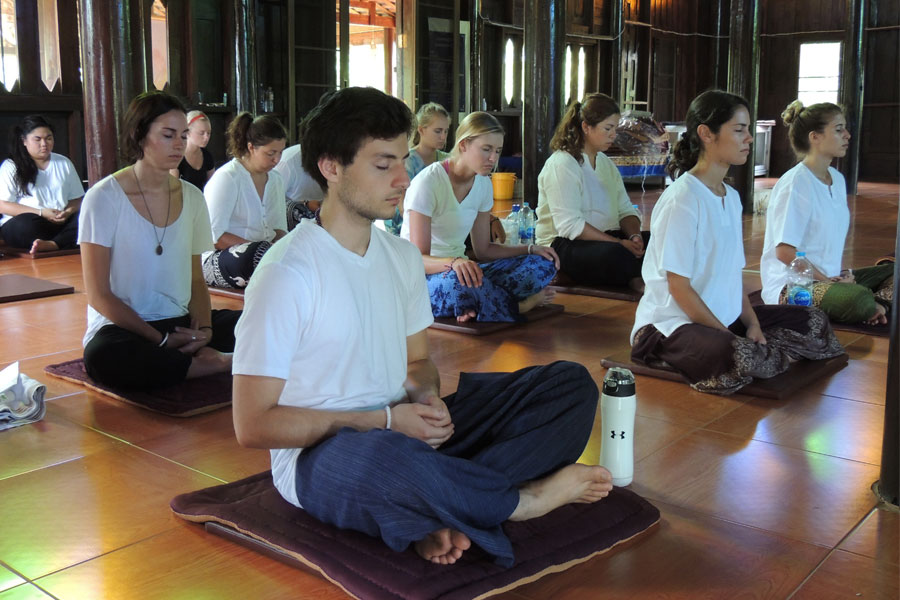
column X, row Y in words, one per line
column 801, row 297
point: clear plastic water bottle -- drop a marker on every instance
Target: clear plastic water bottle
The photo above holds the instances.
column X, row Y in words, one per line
column 526, row 225
column 617, row 409
column 800, row 280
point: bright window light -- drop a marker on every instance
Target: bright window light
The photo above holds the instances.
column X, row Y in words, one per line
column 581, row 72
column 567, row 85
column 9, row 46
column 820, row 73
column 509, row 59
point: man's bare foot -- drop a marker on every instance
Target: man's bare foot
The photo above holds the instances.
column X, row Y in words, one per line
column 466, row 316
column 578, row 483
column 209, row 361
column 880, row 316
column 545, row 296
column 443, row 547
column 43, row 246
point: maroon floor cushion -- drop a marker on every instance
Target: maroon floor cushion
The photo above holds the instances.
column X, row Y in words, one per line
column 186, row 399
column 801, row 374
column 564, row 284
column 252, row 512
column 876, row 330
column 479, row 328
column 26, row 252
column 15, row 287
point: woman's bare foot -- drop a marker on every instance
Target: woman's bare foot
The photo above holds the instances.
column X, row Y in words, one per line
column 43, row 246
column 545, row 296
column 208, row 361
column 466, row 316
column 880, row 316
column 575, row 483
column 443, row 547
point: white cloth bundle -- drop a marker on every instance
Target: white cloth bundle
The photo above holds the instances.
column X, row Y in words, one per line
column 21, row 398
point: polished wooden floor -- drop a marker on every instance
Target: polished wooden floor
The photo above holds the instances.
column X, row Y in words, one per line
column 759, row 498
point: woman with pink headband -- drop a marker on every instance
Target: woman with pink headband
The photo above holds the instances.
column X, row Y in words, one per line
column 197, row 166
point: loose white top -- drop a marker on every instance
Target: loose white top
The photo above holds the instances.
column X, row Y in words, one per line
column 431, row 194
column 810, row 216
column 53, row 187
column 154, row 286
column 695, row 235
column 572, row 194
column 235, row 207
column 298, row 184
column 332, row 324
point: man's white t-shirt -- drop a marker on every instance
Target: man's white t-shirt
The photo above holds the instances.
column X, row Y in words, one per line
column 298, row 184
column 693, row 235
column 235, row 207
column 53, row 187
column 431, row 194
column 810, row 216
column 332, row 324
column 572, row 194
column 154, row 286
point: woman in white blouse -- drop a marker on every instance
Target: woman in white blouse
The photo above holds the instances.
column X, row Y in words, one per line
column 583, row 209
column 142, row 232
column 246, row 201
column 40, row 191
column 694, row 315
column 808, row 212
column 451, row 199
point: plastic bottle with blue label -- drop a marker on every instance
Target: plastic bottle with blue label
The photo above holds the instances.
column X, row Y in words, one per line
column 800, row 280
column 511, row 225
column 526, row 225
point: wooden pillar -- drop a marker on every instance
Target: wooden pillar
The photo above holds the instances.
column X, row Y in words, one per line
column 887, row 485
column 617, row 20
column 743, row 79
column 245, row 79
column 853, row 74
column 456, row 66
column 114, row 70
column 545, row 32
column 406, row 48
column 345, row 43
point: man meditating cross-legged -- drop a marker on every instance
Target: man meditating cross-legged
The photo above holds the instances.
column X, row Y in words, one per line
column 332, row 371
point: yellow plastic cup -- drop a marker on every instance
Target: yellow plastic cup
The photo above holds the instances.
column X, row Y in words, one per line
column 504, row 183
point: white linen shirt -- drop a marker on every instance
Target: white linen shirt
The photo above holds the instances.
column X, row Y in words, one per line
column 695, row 235
column 235, row 207
column 431, row 194
column 811, row 217
column 53, row 187
column 298, row 184
column 572, row 194
column 332, row 324
column 154, row 286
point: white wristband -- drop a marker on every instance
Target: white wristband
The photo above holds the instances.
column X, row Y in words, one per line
column 164, row 340
column 387, row 410
column 530, row 247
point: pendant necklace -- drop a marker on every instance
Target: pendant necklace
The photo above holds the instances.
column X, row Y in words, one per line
column 159, row 240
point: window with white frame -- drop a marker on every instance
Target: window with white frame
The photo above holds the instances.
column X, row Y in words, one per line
column 820, row 72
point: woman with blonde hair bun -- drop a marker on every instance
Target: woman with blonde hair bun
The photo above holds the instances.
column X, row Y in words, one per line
column 197, row 166
column 808, row 212
column 453, row 198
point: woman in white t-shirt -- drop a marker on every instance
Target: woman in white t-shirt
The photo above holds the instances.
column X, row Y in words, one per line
column 808, row 212
column 694, row 315
column 585, row 216
column 40, row 192
column 451, row 199
column 246, row 201
column 141, row 233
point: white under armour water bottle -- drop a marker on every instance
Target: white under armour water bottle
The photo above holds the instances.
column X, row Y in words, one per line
column 617, row 409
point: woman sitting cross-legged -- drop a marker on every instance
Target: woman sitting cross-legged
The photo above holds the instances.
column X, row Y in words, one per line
column 453, row 198
column 694, row 315
column 246, row 201
column 40, row 191
column 808, row 212
column 142, row 232
column 583, row 209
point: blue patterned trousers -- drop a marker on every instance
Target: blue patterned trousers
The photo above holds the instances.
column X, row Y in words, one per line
column 506, row 282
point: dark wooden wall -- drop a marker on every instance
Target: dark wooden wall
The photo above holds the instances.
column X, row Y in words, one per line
column 690, row 53
column 785, row 24
column 879, row 144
